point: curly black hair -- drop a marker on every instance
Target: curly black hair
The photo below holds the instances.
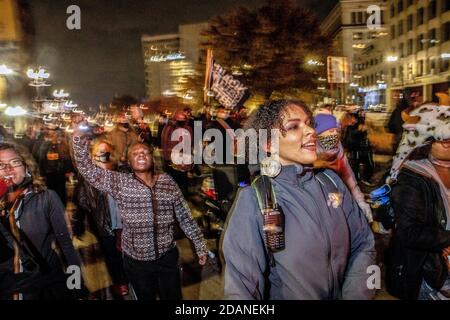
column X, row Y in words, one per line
column 268, row 116
column 271, row 114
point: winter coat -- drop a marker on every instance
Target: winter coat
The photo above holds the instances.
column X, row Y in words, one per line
column 419, row 238
column 329, row 244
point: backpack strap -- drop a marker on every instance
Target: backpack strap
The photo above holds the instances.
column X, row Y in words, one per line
column 326, row 180
column 262, row 185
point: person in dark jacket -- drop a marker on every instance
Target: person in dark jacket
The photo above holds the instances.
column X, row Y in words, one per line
column 418, row 260
column 100, row 213
column 396, row 122
column 328, row 242
column 356, row 142
column 55, row 162
column 34, row 216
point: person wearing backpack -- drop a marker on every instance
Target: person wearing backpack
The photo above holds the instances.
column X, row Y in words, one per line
column 295, row 233
column 418, row 257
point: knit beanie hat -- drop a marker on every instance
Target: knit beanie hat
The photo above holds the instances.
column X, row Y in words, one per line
column 324, row 122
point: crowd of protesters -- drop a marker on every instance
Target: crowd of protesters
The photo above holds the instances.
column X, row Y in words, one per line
column 95, row 200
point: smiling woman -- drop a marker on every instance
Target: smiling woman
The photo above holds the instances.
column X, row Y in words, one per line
column 34, row 224
column 321, row 220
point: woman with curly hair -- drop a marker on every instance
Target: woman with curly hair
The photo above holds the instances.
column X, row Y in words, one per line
column 328, row 244
column 34, row 229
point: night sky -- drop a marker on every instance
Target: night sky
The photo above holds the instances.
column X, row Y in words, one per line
column 105, row 57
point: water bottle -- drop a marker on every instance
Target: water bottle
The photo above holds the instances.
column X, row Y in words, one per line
column 273, row 219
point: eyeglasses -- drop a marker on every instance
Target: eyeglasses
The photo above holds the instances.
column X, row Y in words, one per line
column 13, row 163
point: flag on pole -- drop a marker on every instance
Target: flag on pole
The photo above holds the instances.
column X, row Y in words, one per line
column 227, row 90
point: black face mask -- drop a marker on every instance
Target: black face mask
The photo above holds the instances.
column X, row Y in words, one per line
column 181, row 123
column 126, row 125
column 103, row 157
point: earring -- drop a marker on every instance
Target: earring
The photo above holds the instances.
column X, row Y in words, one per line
column 270, row 167
column 27, row 173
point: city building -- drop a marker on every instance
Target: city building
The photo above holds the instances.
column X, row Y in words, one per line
column 354, row 33
column 409, row 53
column 419, row 50
column 14, row 41
column 170, row 59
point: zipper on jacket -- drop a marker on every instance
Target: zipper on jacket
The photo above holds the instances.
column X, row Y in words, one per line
column 327, row 237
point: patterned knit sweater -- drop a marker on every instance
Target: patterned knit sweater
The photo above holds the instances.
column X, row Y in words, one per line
column 147, row 233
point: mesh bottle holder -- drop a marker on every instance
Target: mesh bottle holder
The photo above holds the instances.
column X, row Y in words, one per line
column 273, row 217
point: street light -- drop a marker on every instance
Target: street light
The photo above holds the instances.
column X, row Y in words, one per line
column 313, row 62
column 4, row 70
column 60, row 94
column 392, row 58
column 15, row 111
column 38, row 78
column 70, row 104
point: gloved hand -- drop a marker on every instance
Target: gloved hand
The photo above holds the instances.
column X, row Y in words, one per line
column 365, row 207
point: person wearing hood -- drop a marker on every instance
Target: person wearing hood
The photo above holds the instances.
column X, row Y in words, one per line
column 331, row 155
column 418, row 263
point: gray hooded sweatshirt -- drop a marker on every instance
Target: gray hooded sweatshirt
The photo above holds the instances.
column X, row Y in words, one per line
column 329, row 244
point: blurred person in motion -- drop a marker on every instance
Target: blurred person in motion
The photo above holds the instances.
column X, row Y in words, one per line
column 356, row 142
column 98, row 213
column 174, row 133
column 149, row 204
column 55, row 162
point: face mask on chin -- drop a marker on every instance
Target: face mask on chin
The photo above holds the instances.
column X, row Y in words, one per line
column 330, row 142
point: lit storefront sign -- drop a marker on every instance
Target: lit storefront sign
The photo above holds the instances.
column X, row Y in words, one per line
column 168, row 57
